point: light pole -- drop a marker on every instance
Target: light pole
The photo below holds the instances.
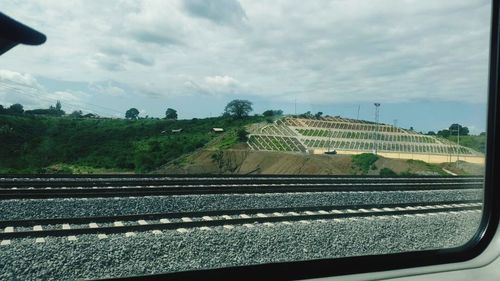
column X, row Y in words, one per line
column 458, row 142
column 295, row 106
column 375, row 144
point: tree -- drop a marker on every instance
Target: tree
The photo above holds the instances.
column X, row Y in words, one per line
column 171, row 114
column 16, row 109
column 76, row 114
column 268, row 113
column 456, row 128
column 272, row 112
column 431, row 133
column 57, row 111
column 306, row 115
column 242, row 135
column 444, row 133
column 2, row 109
column 132, row 113
column 90, row 115
column 318, row 115
column 238, row 108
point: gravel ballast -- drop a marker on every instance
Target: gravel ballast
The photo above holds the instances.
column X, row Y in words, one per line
column 78, row 207
column 171, row 251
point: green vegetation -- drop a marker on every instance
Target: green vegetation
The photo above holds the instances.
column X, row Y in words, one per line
column 171, row 114
column 242, row 134
column 238, row 109
column 454, row 130
column 478, row 143
column 132, row 113
column 416, row 166
column 18, row 109
column 363, row 162
column 33, row 144
column 272, row 112
column 386, row 172
column 232, row 136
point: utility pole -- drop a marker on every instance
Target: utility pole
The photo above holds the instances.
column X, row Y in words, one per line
column 295, row 106
column 395, row 122
column 458, row 143
column 375, row 143
column 357, row 116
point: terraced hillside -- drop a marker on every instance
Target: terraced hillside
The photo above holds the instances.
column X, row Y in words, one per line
column 348, row 136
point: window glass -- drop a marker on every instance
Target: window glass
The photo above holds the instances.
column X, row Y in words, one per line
column 163, row 136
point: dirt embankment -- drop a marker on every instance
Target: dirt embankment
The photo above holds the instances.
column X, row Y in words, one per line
column 464, row 168
column 244, row 161
column 241, row 161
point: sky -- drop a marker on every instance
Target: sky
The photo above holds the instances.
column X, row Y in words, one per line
column 425, row 61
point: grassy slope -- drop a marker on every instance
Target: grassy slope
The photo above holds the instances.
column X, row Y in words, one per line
column 33, row 144
column 240, row 160
column 477, row 143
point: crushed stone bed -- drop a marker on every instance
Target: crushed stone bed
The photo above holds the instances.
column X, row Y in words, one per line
column 78, row 207
column 146, row 253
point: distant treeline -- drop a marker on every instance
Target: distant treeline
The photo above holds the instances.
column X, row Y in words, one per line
column 18, row 109
column 31, row 144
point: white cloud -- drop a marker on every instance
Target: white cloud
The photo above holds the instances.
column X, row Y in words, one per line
column 318, row 51
column 12, row 77
column 220, row 12
column 107, row 88
column 221, row 81
column 22, row 88
column 66, row 97
column 216, row 86
column 18, row 87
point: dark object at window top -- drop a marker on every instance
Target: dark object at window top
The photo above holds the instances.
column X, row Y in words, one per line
column 13, row 32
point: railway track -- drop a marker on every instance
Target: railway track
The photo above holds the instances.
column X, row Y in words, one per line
column 37, row 188
column 19, row 181
column 182, row 221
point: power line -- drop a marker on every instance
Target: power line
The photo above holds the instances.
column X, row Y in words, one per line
column 30, row 92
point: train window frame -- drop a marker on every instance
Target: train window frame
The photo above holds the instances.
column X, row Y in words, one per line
column 476, row 253
column 482, row 249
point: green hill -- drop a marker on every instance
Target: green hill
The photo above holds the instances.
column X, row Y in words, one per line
column 39, row 144
column 476, row 142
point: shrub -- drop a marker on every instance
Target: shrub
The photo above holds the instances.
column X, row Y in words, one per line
column 386, row 172
column 364, row 161
column 242, row 135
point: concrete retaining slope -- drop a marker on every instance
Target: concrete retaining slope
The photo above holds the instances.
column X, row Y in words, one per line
column 429, row 158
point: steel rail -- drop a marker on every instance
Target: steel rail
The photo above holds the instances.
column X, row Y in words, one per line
column 394, row 211
column 55, row 182
column 38, row 193
column 223, row 184
column 151, row 216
